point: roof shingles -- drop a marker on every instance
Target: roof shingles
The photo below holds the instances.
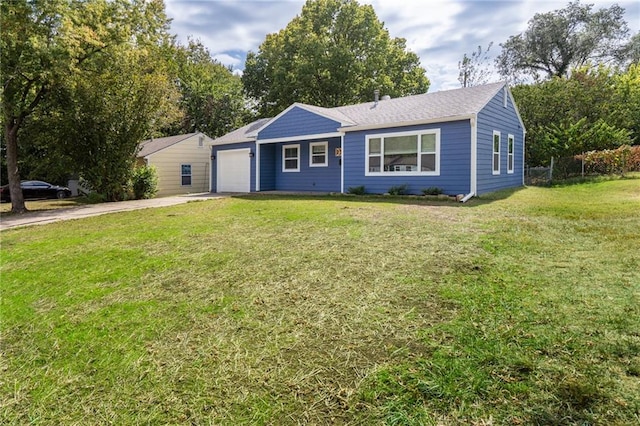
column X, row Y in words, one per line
column 151, row 146
column 391, row 112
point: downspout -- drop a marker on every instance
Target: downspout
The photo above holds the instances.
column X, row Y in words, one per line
column 257, row 168
column 341, row 159
column 473, row 178
column 524, row 136
column 211, row 160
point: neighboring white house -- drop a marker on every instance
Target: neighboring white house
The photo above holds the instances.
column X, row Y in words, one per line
column 182, row 162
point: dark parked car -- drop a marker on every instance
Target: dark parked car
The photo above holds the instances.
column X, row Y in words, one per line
column 34, row 189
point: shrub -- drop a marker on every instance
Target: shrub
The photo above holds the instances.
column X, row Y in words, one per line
column 432, row 190
column 357, row 190
column 613, row 161
column 399, row 189
column 144, row 182
column 95, row 198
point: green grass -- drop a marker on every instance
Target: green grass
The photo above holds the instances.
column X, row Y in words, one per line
column 520, row 307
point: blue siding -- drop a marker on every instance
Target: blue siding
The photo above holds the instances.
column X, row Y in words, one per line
column 267, row 168
column 494, row 116
column 298, row 122
column 455, row 161
column 214, row 170
column 322, row 179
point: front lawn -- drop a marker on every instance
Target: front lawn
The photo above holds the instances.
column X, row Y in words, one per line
column 517, row 308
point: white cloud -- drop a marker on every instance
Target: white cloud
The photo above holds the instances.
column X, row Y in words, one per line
column 438, row 31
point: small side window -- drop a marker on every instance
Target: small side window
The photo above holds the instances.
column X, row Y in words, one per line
column 510, row 157
column 185, row 174
column 496, row 152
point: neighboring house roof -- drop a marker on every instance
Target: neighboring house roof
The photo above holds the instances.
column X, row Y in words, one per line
column 243, row 134
column 426, row 107
column 154, row 145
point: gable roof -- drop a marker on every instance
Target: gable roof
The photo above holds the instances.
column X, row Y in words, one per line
column 445, row 105
column 153, row 145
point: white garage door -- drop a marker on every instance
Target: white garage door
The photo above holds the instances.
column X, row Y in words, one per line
column 234, row 171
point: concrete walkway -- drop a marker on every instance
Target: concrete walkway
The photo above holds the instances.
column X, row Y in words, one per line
column 8, row 221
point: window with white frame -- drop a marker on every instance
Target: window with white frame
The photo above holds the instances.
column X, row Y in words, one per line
column 185, row 174
column 496, row 152
column 318, row 154
column 510, row 148
column 291, row 158
column 404, row 153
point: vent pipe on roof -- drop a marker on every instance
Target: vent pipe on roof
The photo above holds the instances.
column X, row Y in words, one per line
column 376, row 96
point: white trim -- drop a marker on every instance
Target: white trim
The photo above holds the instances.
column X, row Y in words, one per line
column 493, row 152
column 325, row 144
column 405, row 123
column 257, row 159
column 212, row 167
column 341, row 162
column 300, row 138
column 418, row 134
column 515, row 108
column 474, row 155
column 524, row 134
column 183, row 175
column 308, row 108
column 511, row 141
column 284, row 149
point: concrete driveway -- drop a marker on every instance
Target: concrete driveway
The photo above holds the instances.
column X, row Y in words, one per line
column 49, row 216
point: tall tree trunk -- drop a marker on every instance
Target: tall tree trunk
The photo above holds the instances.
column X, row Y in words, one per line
column 11, row 134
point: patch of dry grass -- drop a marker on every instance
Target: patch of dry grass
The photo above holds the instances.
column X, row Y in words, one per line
column 322, row 310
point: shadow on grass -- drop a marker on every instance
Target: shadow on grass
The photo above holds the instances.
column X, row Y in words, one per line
column 422, row 200
column 586, row 180
column 45, row 204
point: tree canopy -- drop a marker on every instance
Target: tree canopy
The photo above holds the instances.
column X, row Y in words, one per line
column 212, row 98
column 595, row 108
column 336, row 52
column 474, row 70
column 558, row 41
column 45, row 45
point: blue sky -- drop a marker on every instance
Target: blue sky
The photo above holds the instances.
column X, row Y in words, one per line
column 438, row 31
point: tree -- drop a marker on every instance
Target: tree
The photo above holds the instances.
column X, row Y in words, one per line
column 128, row 94
column 595, row 108
column 474, row 69
column 558, row 41
column 629, row 54
column 45, row 43
column 212, row 98
column 336, row 52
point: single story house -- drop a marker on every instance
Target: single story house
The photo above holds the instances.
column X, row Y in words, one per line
column 182, row 162
column 464, row 141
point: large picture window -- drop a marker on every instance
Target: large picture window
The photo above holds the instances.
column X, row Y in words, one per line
column 404, row 153
column 291, row 158
column 318, row 154
column 496, row 152
column 510, row 148
column 185, row 174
